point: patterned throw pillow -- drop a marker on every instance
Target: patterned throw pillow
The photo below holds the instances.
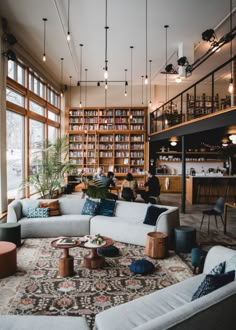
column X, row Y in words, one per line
column 231, row 264
column 213, row 282
column 218, row 269
column 54, row 207
column 38, row 212
column 106, row 207
column 90, row 207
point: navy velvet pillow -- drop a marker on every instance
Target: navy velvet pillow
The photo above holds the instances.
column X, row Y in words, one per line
column 106, row 207
column 90, row 207
column 213, row 282
column 142, row 266
column 110, row 251
column 152, row 214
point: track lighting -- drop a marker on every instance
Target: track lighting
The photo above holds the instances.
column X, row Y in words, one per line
column 209, row 35
column 10, row 55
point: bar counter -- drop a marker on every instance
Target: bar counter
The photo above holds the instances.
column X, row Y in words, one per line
column 206, row 189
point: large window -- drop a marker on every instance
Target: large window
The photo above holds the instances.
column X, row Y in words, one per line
column 15, row 97
column 15, row 154
column 37, row 108
column 16, row 72
column 52, row 133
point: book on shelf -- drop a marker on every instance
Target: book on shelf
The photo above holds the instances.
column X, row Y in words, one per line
column 66, row 241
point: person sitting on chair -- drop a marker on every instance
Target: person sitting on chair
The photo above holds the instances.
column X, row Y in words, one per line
column 153, row 185
column 110, row 184
column 129, row 188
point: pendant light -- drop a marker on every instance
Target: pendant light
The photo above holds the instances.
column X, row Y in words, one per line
column 68, row 36
column 142, row 88
column 44, row 39
column 166, row 27
column 146, row 76
column 62, row 90
column 231, row 86
column 70, row 89
column 106, row 61
column 85, row 101
column 126, row 82
column 150, row 84
column 131, row 75
column 81, row 54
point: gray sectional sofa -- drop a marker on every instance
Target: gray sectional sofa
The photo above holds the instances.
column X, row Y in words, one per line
column 125, row 226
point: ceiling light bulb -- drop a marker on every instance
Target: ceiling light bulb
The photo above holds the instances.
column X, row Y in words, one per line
column 150, row 103
column 44, row 57
column 166, row 122
column 68, row 36
column 125, row 93
column 231, row 87
column 146, row 80
column 106, row 86
column 224, row 144
column 178, row 80
column 173, row 143
column 106, row 74
column 233, row 138
column 80, row 104
column 62, row 94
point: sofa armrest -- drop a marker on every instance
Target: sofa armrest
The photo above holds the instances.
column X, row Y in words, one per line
column 14, row 211
column 216, row 255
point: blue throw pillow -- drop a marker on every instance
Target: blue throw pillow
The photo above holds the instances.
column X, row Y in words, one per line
column 90, row 207
column 218, row 269
column 38, row 212
column 110, row 251
column 141, row 266
column 213, row 282
column 106, row 207
column 152, row 214
column 230, row 264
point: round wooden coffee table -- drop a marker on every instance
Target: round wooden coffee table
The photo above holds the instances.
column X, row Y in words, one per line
column 93, row 260
column 66, row 262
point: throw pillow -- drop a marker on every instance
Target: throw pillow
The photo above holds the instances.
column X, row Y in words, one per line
column 218, row 269
column 213, row 282
column 26, row 203
column 141, row 266
column 152, row 214
column 231, row 264
column 106, row 207
column 38, row 212
column 110, row 251
column 54, row 207
column 90, row 207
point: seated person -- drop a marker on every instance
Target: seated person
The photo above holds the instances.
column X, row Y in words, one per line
column 110, row 184
column 153, row 185
column 101, row 177
column 129, row 188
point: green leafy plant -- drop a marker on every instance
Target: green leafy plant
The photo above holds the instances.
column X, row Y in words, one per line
column 51, row 167
column 96, row 189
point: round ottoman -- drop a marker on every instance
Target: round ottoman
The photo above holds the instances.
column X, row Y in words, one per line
column 10, row 232
column 7, row 259
column 185, row 239
column 157, row 245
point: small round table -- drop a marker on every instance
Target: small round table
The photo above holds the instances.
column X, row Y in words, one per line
column 10, row 232
column 157, row 245
column 93, row 260
column 66, row 262
column 8, row 263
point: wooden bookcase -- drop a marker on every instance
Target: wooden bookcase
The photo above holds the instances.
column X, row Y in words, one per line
column 113, row 138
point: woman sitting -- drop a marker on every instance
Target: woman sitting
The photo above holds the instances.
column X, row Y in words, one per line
column 129, row 188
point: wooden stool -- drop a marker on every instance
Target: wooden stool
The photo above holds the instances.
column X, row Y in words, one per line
column 157, row 245
column 7, row 259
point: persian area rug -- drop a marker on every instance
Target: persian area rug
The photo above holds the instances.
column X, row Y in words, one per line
column 37, row 289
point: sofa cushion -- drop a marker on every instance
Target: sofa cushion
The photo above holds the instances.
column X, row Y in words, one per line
column 218, row 269
column 90, row 207
column 38, row 212
column 152, row 214
column 26, row 203
column 213, row 282
column 231, row 264
column 54, row 208
column 106, row 207
column 142, row 266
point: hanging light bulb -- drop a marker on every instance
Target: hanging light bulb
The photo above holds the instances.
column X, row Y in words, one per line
column 146, row 76
column 44, row 39
column 231, row 86
column 150, row 84
column 81, row 56
column 178, row 80
column 68, row 26
column 126, row 82
column 62, row 92
column 106, row 86
column 106, row 29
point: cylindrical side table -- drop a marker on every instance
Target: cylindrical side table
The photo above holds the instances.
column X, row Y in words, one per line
column 157, row 245
column 185, row 239
column 10, row 232
column 7, row 259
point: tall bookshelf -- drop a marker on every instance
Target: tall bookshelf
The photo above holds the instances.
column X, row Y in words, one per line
column 113, row 138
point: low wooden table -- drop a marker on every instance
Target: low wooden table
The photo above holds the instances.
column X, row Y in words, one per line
column 232, row 205
column 66, row 262
column 93, row 260
column 157, row 245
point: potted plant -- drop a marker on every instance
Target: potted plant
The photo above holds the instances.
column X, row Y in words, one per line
column 50, row 167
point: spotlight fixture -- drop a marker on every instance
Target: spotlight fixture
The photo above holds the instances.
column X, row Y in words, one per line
column 170, row 69
column 68, row 36
column 146, row 76
column 183, row 61
column 209, row 35
column 11, row 56
column 44, row 38
column 10, row 39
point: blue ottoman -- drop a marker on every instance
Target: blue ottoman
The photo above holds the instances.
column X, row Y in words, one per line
column 185, row 239
column 10, row 232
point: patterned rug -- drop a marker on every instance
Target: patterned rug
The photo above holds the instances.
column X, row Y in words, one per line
column 37, row 289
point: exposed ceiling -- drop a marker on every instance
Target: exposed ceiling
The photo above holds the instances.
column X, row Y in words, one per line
column 187, row 19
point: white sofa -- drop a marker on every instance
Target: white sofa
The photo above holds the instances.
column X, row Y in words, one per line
column 172, row 308
column 126, row 225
